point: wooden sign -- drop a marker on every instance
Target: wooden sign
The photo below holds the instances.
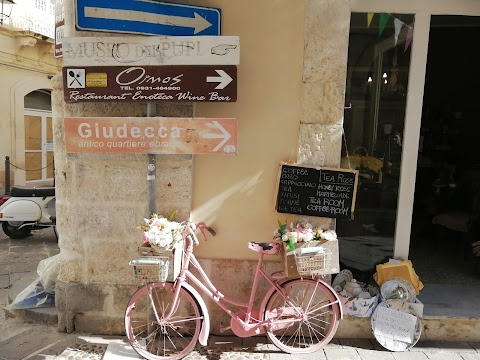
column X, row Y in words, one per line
column 59, row 28
column 150, row 83
column 316, row 191
column 152, row 135
column 151, row 50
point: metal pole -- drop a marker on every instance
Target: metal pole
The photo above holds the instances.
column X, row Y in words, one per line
column 7, row 175
column 152, row 190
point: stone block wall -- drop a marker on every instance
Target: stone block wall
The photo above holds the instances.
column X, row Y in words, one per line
column 101, row 199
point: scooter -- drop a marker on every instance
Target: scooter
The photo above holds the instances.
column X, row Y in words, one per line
column 26, row 209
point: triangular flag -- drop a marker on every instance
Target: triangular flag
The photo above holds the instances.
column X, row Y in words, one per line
column 369, row 19
column 408, row 41
column 398, row 26
column 383, row 22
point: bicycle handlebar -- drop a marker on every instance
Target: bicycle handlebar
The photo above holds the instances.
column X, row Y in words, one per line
column 191, row 227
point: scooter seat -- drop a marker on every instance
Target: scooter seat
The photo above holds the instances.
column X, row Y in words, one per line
column 19, row 191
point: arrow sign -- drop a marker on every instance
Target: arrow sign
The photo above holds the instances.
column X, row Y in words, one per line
column 224, row 79
column 150, row 83
column 151, row 135
column 225, row 135
column 147, row 17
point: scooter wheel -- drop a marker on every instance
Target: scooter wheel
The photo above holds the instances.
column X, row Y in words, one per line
column 14, row 232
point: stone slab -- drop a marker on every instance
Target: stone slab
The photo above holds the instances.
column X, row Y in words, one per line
column 119, row 351
column 28, row 342
column 4, row 281
column 341, row 354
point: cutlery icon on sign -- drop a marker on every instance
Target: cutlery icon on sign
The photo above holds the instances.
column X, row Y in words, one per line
column 75, row 77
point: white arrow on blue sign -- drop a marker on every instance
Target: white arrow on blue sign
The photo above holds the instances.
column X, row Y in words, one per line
column 147, row 17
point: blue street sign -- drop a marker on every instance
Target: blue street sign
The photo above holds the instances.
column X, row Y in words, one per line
column 147, row 17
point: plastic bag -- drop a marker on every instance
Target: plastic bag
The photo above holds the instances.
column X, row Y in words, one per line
column 47, row 270
column 41, row 292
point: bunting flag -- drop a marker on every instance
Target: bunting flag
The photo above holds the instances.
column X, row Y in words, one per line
column 398, row 26
column 369, row 19
column 408, row 41
column 383, row 22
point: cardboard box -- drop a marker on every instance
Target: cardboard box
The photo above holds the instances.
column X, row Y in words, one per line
column 418, row 307
column 333, row 264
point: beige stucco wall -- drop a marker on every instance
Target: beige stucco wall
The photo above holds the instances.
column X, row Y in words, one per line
column 26, row 62
column 290, row 106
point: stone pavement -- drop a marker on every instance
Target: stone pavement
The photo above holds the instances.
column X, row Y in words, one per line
column 43, row 342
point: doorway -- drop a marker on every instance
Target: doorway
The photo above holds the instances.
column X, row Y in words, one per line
column 38, row 130
column 446, row 210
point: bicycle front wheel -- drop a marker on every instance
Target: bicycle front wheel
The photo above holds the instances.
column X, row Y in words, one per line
column 152, row 335
column 313, row 313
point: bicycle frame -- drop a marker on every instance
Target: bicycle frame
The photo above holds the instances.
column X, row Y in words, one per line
column 247, row 326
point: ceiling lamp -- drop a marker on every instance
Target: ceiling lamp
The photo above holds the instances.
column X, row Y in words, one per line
column 5, row 9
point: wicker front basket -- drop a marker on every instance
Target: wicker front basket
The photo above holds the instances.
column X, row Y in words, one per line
column 150, row 269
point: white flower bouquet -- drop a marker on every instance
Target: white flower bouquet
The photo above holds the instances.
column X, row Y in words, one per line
column 160, row 232
column 302, row 232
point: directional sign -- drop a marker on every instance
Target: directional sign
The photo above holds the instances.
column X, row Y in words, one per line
column 151, row 50
column 151, row 135
column 147, row 17
column 150, row 83
column 59, row 28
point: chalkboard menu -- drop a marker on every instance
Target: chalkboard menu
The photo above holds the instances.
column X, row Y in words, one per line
column 315, row 191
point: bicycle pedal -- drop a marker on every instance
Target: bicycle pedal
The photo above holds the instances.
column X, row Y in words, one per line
column 223, row 329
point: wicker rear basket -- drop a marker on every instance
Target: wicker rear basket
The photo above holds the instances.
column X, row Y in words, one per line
column 314, row 263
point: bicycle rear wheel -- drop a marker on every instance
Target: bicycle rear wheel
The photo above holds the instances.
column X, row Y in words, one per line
column 315, row 309
column 157, row 339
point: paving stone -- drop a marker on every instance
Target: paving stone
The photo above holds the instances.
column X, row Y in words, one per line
column 220, row 354
column 444, row 355
column 358, row 343
column 53, row 350
column 409, row 355
column 458, row 347
column 375, row 354
column 317, row 355
column 341, row 354
column 117, row 351
column 469, row 356
column 4, row 281
column 28, row 342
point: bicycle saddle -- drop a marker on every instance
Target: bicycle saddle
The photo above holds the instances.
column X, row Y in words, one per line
column 272, row 248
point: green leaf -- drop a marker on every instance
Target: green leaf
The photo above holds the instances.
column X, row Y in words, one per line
column 172, row 215
column 291, row 244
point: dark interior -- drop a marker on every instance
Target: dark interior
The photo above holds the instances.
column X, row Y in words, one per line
column 447, row 193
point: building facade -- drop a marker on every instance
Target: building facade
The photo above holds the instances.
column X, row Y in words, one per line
column 311, row 90
column 27, row 66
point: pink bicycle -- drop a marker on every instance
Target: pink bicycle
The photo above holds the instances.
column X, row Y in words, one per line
column 164, row 320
